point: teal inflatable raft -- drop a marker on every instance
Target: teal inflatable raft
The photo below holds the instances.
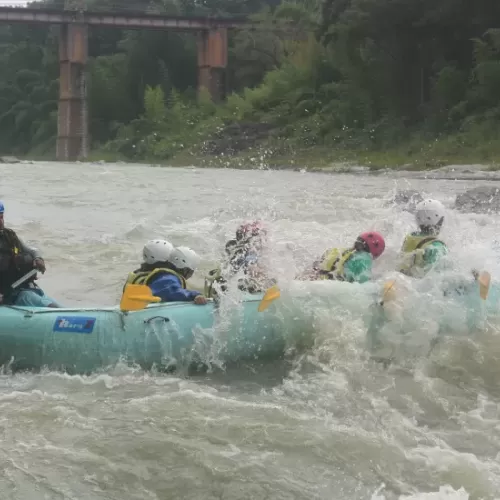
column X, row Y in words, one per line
column 81, row 340
column 168, row 335
column 84, row 339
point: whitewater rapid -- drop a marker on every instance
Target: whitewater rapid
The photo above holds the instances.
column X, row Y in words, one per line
column 325, row 423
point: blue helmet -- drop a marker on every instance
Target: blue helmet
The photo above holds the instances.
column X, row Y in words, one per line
column 2, row 208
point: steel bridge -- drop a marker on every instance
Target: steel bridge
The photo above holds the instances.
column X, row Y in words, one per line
column 74, row 21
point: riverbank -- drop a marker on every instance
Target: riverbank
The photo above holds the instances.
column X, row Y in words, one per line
column 476, row 162
column 246, row 145
column 251, row 146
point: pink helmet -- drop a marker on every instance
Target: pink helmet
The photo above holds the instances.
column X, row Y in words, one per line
column 375, row 242
column 250, row 229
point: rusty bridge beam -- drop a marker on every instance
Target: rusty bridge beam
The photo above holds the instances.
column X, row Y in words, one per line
column 119, row 20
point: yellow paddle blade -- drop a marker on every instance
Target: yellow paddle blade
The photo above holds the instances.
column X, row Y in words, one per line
column 389, row 291
column 484, row 284
column 137, row 297
column 270, row 296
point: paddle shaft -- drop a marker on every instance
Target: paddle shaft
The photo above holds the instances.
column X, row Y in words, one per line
column 21, row 280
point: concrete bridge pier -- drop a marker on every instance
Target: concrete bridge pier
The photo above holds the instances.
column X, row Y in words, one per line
column 212, row 62
column 72, row 126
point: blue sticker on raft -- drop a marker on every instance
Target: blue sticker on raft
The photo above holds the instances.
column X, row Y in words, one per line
column 74, row 324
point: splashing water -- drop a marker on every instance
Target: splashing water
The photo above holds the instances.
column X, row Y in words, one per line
column 327, row 422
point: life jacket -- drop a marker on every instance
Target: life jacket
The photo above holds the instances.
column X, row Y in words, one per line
column 144, row 277
column 334, row 260
column 14, row 263
column 413, row 259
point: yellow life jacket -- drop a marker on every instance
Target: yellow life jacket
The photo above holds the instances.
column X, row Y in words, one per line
column 333, row 263
column 413, row 250
column 144, row 277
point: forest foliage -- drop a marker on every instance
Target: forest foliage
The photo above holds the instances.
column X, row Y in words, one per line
column 346, row 75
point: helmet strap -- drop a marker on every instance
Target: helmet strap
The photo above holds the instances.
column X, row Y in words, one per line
column 186, row 273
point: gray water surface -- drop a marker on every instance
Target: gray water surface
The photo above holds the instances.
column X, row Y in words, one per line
column 328, row 424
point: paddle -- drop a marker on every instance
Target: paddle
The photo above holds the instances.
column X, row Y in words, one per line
column 22, row 279
column 270, row 296
column 273, row 293
column 27, row 276
column 137, row 297
column 389, row 291
column 484, row 280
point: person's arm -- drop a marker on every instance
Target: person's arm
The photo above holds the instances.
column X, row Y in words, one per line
column 31, row 250
column 168, row 287
column 38, row 261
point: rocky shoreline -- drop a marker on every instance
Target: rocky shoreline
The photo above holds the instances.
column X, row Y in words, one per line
column 480, row 200
column 449, row 172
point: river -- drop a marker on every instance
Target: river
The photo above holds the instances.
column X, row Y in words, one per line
column 324, row 425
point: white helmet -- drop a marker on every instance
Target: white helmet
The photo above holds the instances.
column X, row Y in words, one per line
column 429, row 213
column 157, row 251
column 185, row 258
